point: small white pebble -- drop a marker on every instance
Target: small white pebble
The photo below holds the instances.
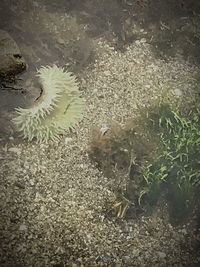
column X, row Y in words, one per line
column 107, row 72
column 15, row 150
column 105, row 128
column 68, row 140
column 162, row 255
column 143, row 40
column 31, row 182
column 177, row 92
column 23, row 227
column 37, row 196
column 184, row 231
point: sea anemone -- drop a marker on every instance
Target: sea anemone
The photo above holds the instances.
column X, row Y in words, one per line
column 58, row 109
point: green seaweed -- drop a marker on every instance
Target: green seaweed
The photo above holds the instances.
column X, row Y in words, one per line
column 177, row 166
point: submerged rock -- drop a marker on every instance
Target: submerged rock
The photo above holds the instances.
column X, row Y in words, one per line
column 12, row 61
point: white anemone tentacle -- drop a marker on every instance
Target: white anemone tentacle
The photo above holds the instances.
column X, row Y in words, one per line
column 59, row 108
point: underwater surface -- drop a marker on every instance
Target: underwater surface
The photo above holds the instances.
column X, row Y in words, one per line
column 99, row 133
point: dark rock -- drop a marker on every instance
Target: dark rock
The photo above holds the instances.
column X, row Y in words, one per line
column 12, row 61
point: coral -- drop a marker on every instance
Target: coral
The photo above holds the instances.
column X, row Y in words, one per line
column 58, row 109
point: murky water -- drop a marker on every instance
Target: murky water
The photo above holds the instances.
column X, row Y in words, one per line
column 65, row 32
column 46, row 34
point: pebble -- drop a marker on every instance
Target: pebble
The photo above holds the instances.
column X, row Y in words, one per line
column 184, row 231
column 107, row 73
column 105, row 127
column 68, row 140
column 23, row 227
column 177, row 92
column 137, row 42
column 31, row 182
column 15, row 150
column 143, row 40
column 162, row 255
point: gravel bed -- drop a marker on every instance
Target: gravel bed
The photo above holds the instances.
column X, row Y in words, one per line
column 53, row 199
